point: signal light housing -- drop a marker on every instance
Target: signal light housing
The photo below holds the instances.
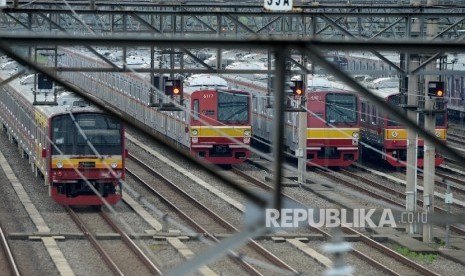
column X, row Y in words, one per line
column 43, row 82
column 298, row 89
column 173, row 87
column 436, row 89
column 177, row 88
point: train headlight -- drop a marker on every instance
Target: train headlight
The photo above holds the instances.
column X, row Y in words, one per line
column 59, row 165
column 438, row 134
column 247, row 133
column 114, row 165
column 194, row 132
column 355, row 135
column 394, row 134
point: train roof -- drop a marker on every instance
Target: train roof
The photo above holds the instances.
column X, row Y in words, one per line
column 327, row 91
column 204, row 81
column 385, row 92
column 65, row 100
column 318, row 83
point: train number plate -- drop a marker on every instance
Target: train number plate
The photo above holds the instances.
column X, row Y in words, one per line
column 87, row 164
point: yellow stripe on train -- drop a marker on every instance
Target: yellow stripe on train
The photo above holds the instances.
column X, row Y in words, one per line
column 333, row 133
column 401, row 134
column 220, row 131
column 91, row 163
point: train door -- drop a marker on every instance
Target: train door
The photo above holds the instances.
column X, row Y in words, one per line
column 268, row 123
column 363, row 113
column 184, row 124
column 255, row 110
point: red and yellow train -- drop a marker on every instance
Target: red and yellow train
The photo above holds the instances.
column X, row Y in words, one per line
column 78, row 148
column 220, row 125
column 332, row 123
column 382, row 132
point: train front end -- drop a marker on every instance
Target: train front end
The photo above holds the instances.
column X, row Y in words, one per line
column 220, row 126
column 395, row 141
column 86, row 160
column 333, row 128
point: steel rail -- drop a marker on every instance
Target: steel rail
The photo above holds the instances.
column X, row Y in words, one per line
column 9, row 255
column 401, row 258
column 457, row 188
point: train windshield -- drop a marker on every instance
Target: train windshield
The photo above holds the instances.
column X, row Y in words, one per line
column 394, row 101
column 233, row 107
column 77, row 136
column 440, row 121
column 341, row 108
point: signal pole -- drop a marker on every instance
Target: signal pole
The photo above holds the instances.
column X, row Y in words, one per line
column 302, row 159
column 429, row 149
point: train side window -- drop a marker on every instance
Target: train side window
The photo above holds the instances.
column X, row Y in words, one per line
column 37, row 131
column 368, row 114
column 196, row 110
column 374, row 118
column 363, row 115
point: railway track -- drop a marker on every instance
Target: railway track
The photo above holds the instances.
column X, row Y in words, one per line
column 118, row 267
column 456, row 185
column 201, row 218
column 457, row 139
column 379, row 186
column 417, row 268
column 455, row 135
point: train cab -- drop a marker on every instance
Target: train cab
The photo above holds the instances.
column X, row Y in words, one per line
column 220, row 125
column 86, row 158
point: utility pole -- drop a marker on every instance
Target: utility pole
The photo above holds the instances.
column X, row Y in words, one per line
column 412, row 61
column 430, row 125
column 412, row 142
